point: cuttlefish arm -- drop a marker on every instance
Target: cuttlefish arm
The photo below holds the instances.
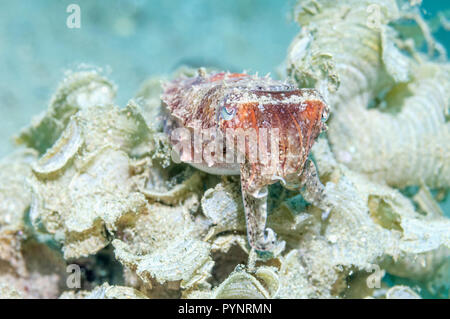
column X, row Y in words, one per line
column 313, row 190
column 255, row 207
column 311, row 187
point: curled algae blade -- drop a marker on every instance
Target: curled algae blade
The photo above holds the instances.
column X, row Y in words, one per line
column 61, row 152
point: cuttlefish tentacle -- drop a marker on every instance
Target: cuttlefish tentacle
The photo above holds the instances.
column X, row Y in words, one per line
column 255, row 208
column 310, row 186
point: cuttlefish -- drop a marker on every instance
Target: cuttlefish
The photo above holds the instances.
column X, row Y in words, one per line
column 256, row 127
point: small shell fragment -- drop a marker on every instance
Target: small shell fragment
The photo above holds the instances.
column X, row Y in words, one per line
column 242, row 285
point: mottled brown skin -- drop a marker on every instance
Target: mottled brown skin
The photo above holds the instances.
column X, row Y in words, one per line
column 239, row 101
column 298, row 131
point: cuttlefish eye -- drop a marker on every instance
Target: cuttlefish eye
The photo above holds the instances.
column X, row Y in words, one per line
column 227, row 114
